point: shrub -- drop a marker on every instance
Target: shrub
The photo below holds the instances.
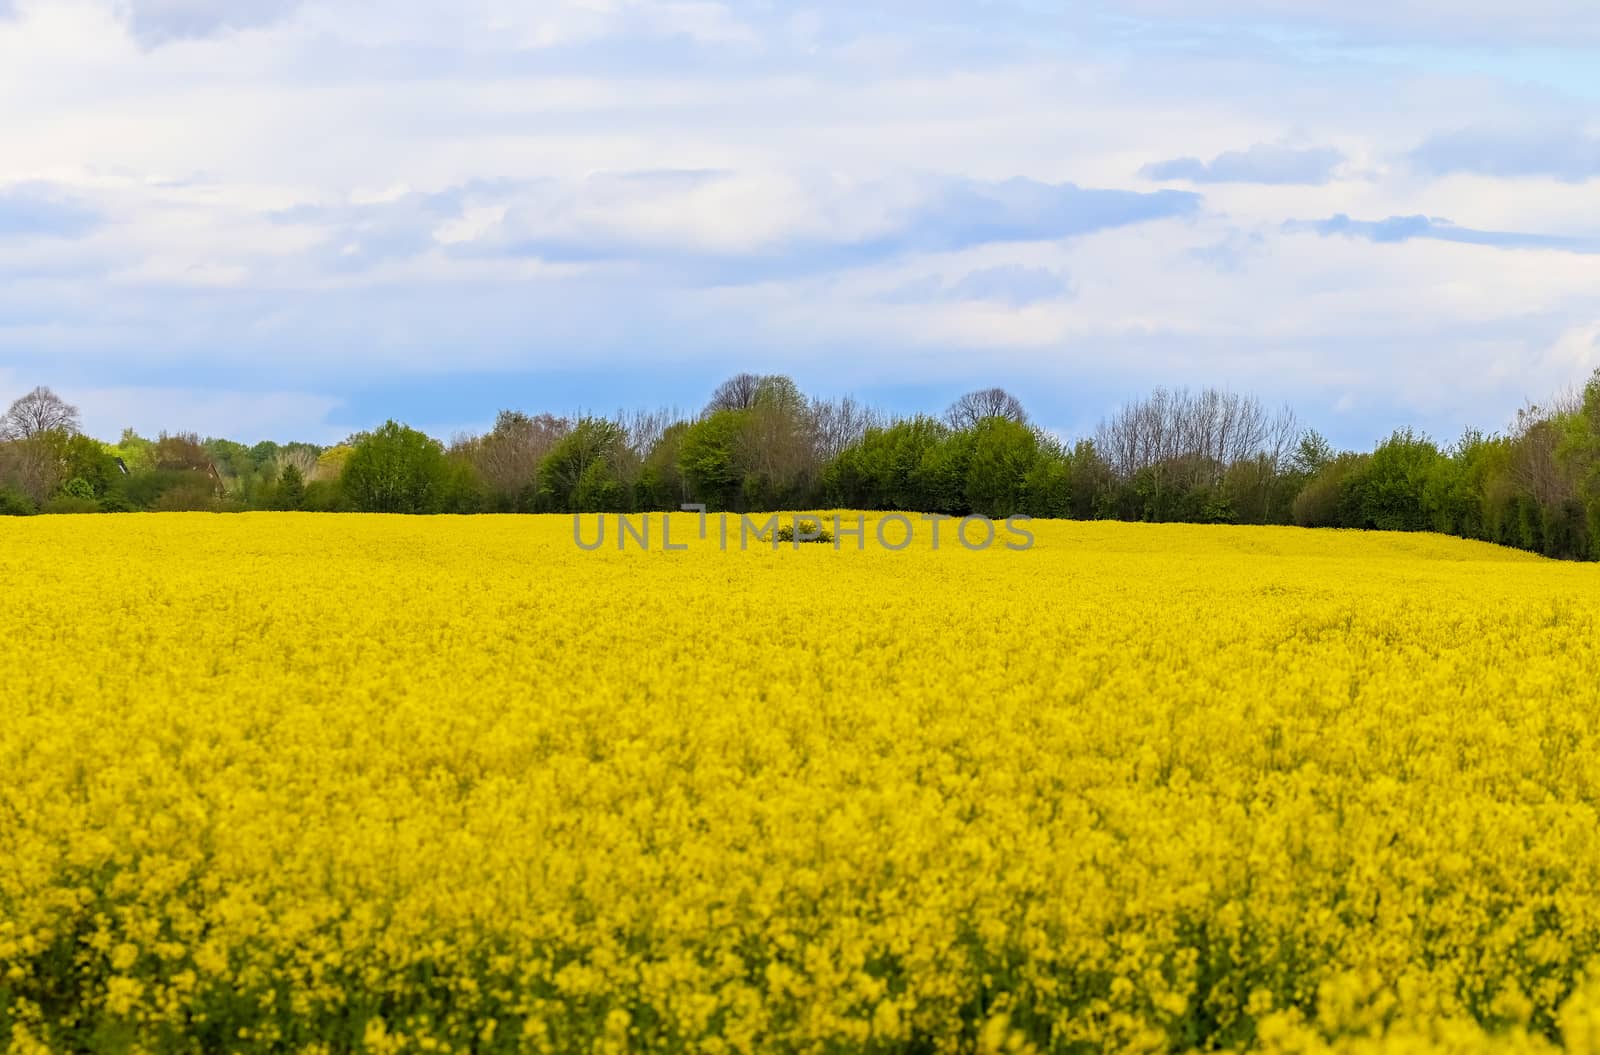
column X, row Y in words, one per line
column 325, row 496
column 78, row 487
column 171, row 490
column 1333, row 497
column 810, row 531
column 70, row 504
column 15, row 504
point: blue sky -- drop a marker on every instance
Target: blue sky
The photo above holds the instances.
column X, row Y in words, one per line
column 293, row 218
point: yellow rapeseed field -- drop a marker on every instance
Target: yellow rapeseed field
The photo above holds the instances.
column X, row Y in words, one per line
column 323, row 783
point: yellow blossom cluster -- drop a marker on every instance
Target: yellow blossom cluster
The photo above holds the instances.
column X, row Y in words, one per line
column 331, row 783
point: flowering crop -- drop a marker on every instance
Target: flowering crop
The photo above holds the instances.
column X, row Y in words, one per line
column 281, row 781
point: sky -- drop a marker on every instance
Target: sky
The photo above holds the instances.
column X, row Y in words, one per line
column 293, row 219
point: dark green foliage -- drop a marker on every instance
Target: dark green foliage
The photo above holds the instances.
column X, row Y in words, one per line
column 708, row 459
column 326, row 496
column 396, row 469
column 170, row 490
column 1093, row 485
column 1047, row 488
column 939, row 484
column 231, row 459
column 291, row 489
column 1180, row 489
column 1392, row 497
column 188, row 493
column 1566, row 530
column 78, row 488
column 464, row 491
column 116, row 501
column 15, row 504
column 86, row 460
column 261, row 454
column 661, row 483
column 1003, row 455
column 886, row 468
column 66, row 503
column 580, row 474
column 1334, row 496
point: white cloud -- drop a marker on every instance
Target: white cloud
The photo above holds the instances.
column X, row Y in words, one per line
column 475, row 222
column 1575, row 354
column 418, row 188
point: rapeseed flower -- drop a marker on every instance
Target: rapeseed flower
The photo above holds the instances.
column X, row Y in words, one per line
column 287, row 782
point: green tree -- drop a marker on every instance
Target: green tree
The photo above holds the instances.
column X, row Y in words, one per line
column 579, row 474
column 1334, row 496
column 1397, row 481
column 290, row 493
column 777, row 449
column 262, row 454
column 464, row 490
column 88, row 460
column 884, row 470
column 1311, row 455
column 1047, row 488
column 395, row 469
column 661, row 484
column 136, row 452
column 940, row 482
column 232, row 459
column 708, row 458
column 1003, row 454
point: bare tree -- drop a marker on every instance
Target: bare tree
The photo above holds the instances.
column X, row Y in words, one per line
column 182, row 451
column 1283, row 437
column 38, row 412
column 31, row 466
column 508, row 456
column 1536, row 465
column 304, row 459
column 644, row 428
column 779, row 441
column 839, row 423
column 1546, row 462
column 1193, row 438
column 736, row 393
column 966, row 412
column 641, row 433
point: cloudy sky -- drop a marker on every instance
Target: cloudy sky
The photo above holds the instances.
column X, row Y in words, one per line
column 270, row 218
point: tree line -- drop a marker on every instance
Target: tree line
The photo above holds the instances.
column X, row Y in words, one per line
column 761, row 444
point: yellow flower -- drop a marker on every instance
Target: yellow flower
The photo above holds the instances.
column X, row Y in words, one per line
column 457, row 784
